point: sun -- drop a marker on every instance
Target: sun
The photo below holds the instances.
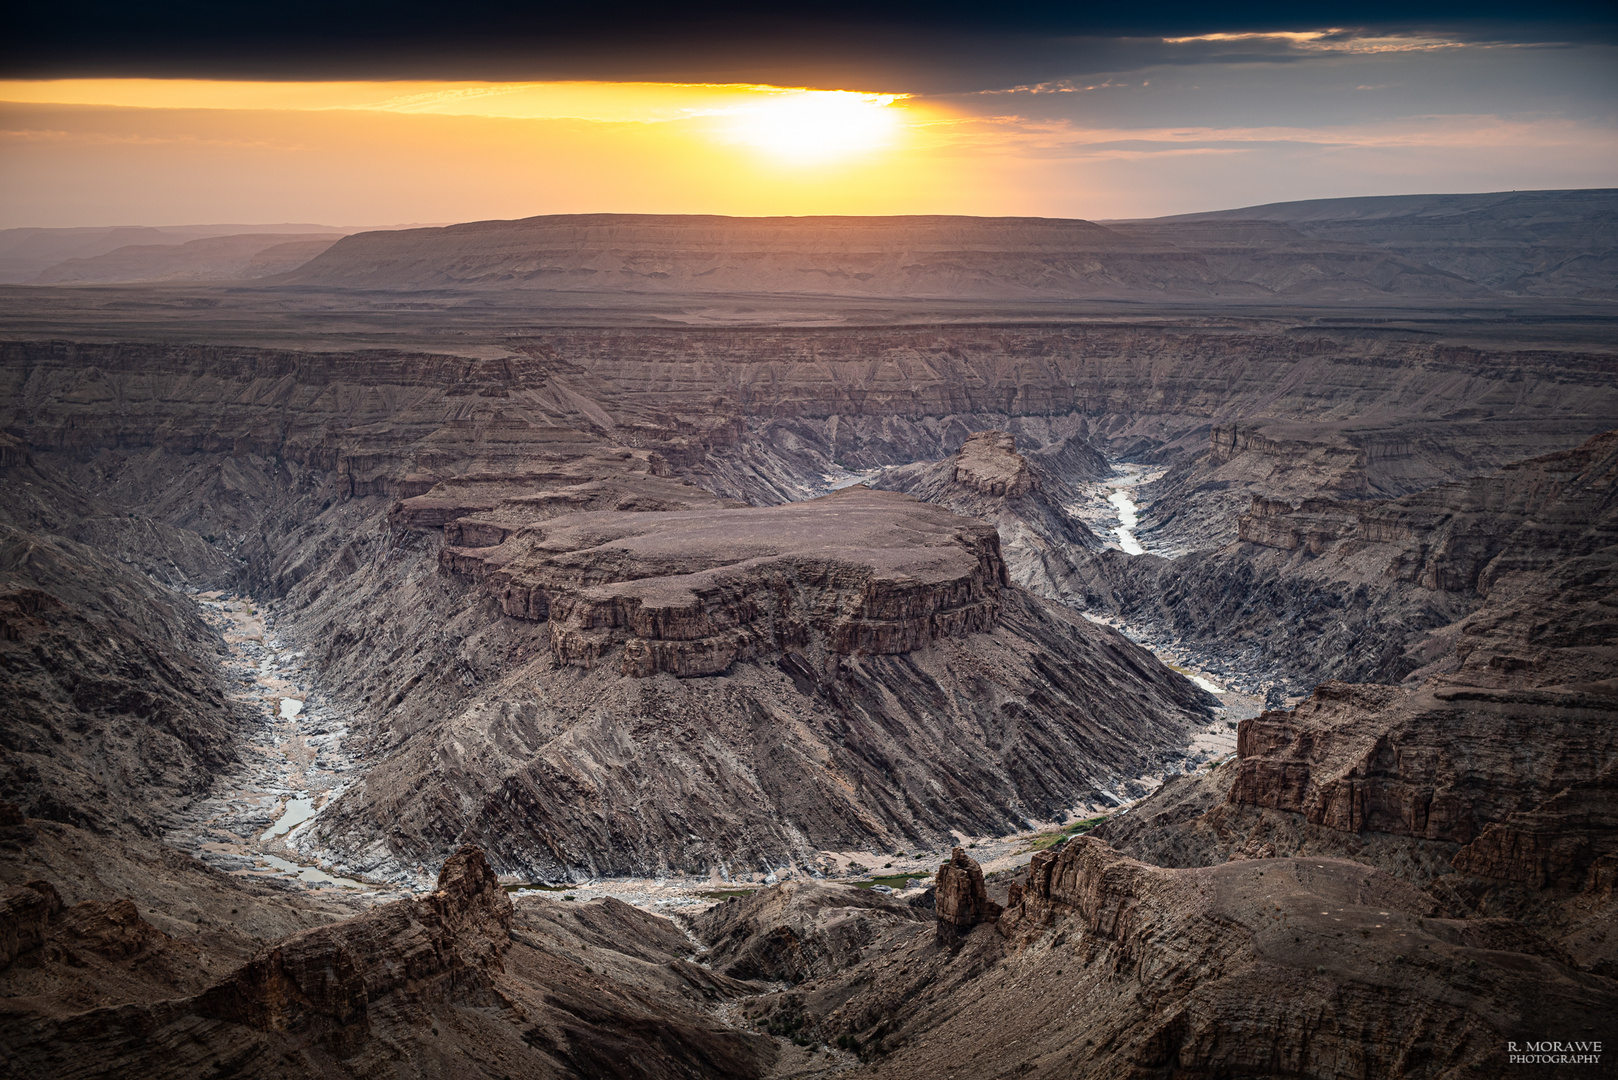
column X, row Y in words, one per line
column 807, row 126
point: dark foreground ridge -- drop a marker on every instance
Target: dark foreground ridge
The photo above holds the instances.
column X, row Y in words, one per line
column 1096, row 966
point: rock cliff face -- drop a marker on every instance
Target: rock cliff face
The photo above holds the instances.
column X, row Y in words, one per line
column 1025, row 500
column 760, row 414
column 1102, row 966
column 691, row 592
column 1378, row 589
column 1488, row 779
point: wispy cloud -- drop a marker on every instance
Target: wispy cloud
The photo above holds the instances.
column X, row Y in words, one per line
column 1066, row 86
column 1012, row 133
column 1333, row 40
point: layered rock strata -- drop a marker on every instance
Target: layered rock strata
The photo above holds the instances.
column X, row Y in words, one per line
column 960, row 900
column 1025, row 499
column 1490, row 781
column 1102, row 966
column 691, row 592
column 571, row 770
column 1378, row 589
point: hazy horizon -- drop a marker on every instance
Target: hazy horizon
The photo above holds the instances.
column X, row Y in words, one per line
column 393, row 226
column 496, row 114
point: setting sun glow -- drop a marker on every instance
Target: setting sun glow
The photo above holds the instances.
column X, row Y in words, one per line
column 817, row 125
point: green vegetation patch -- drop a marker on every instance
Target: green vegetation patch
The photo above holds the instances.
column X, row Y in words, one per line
column 1050, row 839
column 539, row 888
column 893, row 881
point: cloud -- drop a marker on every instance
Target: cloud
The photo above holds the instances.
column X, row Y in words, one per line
column 1334, row 40
column 943, row 45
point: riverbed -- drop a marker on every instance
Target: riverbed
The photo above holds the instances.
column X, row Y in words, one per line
column 294, row 762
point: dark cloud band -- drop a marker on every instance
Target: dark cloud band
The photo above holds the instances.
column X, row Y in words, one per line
column 933, row 47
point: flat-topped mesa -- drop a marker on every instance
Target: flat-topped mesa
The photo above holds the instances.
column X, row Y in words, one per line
column 989, row 463
column 690, row 592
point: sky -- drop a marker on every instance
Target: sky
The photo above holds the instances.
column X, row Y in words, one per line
column 370, row 114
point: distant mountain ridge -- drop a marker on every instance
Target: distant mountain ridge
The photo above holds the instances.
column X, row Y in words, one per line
column 1561, row 244
column 212, row 258
column 25, row 253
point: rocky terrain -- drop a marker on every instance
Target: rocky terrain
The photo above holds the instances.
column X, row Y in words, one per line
column 624, row 667
column 457, row 982
column 434, row 599
column 1030, row 506
column 1378, row 590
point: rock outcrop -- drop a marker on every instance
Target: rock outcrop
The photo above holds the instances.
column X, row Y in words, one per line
column 961, row 901
column 1024, row 497
column 1102, row 966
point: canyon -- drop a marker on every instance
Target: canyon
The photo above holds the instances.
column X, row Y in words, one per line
column 730, row 559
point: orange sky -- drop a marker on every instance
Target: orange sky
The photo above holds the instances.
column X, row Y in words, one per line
column 117, row 151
